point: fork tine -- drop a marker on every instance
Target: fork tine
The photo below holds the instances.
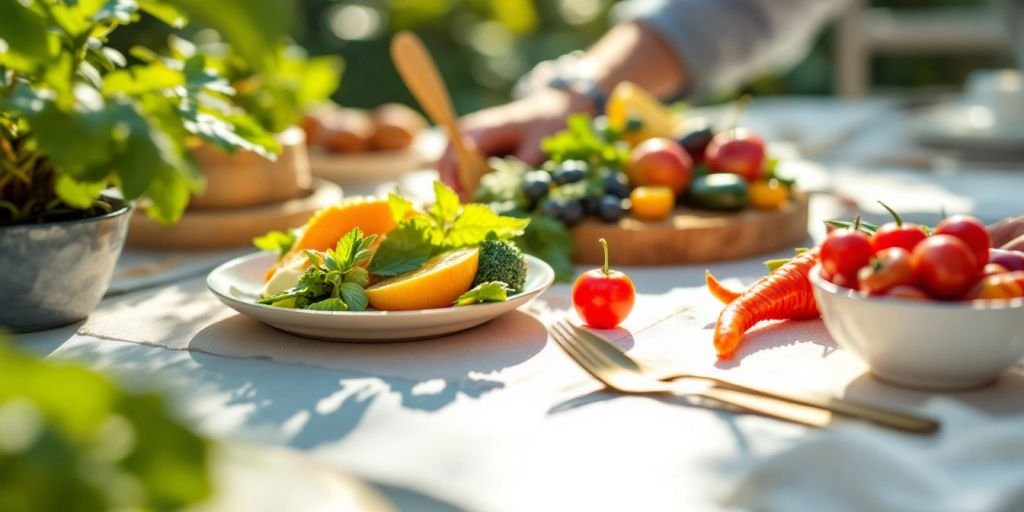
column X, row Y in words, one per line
column 584, row 359
column 605, row 347
column 588, row 347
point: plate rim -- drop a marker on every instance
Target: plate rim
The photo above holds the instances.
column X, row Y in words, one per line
column 532, row 261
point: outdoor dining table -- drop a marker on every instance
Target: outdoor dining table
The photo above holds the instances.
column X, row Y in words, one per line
column 498, row 418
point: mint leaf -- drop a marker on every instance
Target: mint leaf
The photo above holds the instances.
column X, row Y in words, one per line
column 446, row 205
column 278, row 242
column 477, row 221
column 331, row 304
column 404, row 249
column 493, row 291
column 354, row 296
column 345, row 250
column 399, row 206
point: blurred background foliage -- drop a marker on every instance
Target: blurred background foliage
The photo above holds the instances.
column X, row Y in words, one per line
column 483, row 46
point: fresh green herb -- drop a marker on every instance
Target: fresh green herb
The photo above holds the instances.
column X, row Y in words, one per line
column 493, row 291
column 277, row 242
column 581, row 141
column 504, row 184
column 406, row 247
column 448, row 225
column 399, row 206
column 333, row 282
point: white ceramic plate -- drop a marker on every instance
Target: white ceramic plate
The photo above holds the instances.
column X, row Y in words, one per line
column 237, row 284
column 965, row 126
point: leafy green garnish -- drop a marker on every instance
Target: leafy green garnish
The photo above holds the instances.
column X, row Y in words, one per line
column 494, row 291
column 333, row 282
column 277, row 242
column 399, row 206
column 580, row 141
column 448, row 225
column 405, row 248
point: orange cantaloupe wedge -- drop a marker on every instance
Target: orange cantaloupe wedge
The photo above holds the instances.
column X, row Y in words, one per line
column 372, row 215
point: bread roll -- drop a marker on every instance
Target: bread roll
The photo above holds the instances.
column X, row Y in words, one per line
column 396, row 126
column 345, row 130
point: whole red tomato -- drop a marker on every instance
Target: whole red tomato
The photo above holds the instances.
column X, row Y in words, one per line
column 889, row 268
column 603, row 297
column 945, row 266
column 843, row 254
column 737, row 151
column 897, row 234
column 972, row 232
column 660, row 162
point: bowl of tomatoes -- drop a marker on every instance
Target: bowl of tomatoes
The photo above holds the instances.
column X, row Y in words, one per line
column 929, row 309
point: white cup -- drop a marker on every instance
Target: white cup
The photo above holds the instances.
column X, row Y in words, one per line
column 1001, row 91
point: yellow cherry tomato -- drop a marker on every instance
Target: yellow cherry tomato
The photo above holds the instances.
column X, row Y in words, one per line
column 652, row 203
column 768, row 194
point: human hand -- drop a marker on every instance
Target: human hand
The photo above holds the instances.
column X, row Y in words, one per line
column 515, row 128
column 1008, row 233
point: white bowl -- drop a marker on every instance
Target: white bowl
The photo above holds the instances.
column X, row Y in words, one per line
column 924, row 344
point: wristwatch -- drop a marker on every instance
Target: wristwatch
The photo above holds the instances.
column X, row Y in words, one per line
column 570, row 73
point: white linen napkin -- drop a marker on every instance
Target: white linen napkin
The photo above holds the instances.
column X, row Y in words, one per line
column 976, row 462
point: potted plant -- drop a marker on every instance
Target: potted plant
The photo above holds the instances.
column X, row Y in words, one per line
column 276, row 93
column 75, row 119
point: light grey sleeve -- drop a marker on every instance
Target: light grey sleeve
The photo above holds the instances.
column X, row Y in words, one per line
column 723, row 43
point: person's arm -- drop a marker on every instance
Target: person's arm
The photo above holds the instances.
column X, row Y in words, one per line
column 723, row 43
column 662, row 46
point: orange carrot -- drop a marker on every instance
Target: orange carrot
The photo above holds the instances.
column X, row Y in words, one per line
column 720, row 291
column 781, row 295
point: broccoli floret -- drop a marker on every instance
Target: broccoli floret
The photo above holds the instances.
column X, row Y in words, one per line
column 501, row 261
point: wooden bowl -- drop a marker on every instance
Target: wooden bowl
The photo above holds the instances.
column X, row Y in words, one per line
column 220, row 229
column 247, row 179
column 693, row 236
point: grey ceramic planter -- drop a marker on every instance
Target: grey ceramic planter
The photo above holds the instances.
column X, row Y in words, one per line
column 56, row 273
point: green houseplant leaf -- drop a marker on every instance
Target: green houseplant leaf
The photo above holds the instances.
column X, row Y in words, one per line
column 75, row 117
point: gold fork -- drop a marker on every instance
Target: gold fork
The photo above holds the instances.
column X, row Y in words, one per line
column 620, row 372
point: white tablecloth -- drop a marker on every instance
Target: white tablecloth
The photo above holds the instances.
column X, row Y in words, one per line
column 498, row 418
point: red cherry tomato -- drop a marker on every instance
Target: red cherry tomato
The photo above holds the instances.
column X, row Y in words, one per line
column 602, row 297
column 889, row 268
column 945, row 266
column 843, row 254
column 896, row 234
column 972, row 232
column 906, row 292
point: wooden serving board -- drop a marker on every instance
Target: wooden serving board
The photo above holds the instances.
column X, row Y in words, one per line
column 693, row 236
column 230, row 227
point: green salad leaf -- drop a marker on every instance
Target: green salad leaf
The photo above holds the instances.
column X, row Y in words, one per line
column 404, row 249
column 449, row 225
column 493, row 291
